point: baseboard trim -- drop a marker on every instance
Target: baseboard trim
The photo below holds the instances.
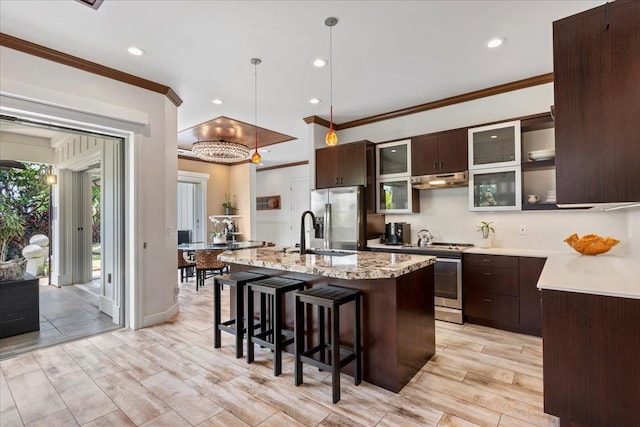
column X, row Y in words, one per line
column 154, row 319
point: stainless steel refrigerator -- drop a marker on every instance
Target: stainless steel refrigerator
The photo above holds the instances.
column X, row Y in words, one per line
column 341, row 214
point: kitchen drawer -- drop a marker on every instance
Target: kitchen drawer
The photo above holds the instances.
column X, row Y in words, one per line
column 501, row 261
column 491, row 309
column 503, row 281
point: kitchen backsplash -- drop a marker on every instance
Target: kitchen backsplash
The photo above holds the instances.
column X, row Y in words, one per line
column 446, row 215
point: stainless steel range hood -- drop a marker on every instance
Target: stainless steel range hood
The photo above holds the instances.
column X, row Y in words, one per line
column 443, row 180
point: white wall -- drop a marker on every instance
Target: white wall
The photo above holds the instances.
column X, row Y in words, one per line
column 151, row 168
column 281, row 226
column 445, row 214
column 633, row 223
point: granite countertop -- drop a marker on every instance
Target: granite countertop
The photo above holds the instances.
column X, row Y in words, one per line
column 356, row 265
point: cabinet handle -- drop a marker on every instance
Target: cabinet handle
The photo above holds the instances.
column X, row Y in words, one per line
column 435, row 166
column 337, row 180
column 441, row 166
column 487, row 300
column 486, row 260
column 340, row 180
column 488, row 274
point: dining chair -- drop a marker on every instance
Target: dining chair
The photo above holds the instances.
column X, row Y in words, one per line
column 207, row 265
column 185, row 265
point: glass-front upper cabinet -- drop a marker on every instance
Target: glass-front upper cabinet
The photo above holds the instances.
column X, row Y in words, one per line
column 396, row 196
column 494, row 145
column 394, row 159
column 497, row 189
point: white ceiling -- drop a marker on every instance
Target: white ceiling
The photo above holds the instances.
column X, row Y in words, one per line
column 387, row 55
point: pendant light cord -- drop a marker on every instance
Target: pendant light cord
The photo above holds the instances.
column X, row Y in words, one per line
column 331, row 75
column 255, row 73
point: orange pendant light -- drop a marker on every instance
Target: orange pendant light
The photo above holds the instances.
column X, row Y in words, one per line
column 332, row 138
column 256, row 158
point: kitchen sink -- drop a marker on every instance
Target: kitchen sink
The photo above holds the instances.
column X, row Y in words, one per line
column 328, row 252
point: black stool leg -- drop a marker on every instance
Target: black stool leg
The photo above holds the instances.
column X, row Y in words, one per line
column 216, row 313
column 239, row 319
column 298, row 328
column 277, row 329
column 321, row 333
column 357, row 377
column 335, row 354
column 249, row 316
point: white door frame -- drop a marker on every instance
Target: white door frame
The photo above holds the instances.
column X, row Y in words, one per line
column 130, row 274
column 200, row 201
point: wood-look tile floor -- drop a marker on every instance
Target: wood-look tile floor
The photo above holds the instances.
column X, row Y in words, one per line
column 170, row 375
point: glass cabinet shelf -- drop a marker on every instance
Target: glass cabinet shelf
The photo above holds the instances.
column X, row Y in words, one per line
column 495, row 145
column 393, row 159
column 497, row 189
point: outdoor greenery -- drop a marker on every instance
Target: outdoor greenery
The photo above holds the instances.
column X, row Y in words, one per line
column 24, row 205
column 95, row 213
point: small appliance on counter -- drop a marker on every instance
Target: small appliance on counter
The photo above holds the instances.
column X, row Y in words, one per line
column 397, row 233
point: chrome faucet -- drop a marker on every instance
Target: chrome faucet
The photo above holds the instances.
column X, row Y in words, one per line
column 303, row 245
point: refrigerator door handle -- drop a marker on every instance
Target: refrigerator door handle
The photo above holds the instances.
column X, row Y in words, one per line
column 327, row 225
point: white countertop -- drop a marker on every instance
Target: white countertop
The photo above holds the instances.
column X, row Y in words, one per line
column 606, row 274
column 610, row 274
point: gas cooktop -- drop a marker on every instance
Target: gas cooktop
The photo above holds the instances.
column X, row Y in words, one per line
column 439, row 249
column 441, row 246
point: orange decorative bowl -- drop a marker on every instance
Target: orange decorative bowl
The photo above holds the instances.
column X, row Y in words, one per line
column 591, row 244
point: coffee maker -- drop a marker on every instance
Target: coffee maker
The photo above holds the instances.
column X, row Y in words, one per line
column 397, row 233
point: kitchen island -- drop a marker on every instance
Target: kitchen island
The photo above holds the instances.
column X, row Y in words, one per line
column 398, row 324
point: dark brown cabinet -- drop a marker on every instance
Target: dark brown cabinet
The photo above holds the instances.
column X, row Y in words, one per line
column 441, row 152
column 590, row 358
column 530, row 311
column 596, row 56
column 342, row 166
column 501, row 291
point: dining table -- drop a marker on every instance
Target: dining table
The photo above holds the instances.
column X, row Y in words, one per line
column 231, row 245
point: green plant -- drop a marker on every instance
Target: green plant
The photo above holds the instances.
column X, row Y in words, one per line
column 228, row 203
column 485, row 227
column 25, row 194
column 11, row 227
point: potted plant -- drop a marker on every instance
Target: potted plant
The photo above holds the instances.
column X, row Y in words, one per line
column 217, row 236
column 11, row 226
column 228, row 205
column 485, row 228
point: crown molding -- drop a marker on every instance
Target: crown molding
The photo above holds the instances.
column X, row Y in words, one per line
column 285, row 165
column 88, row 66
column 465, row 97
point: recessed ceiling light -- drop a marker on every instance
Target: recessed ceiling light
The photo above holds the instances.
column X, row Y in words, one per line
column 135, row 51
column 319, row 62
column 217, row 101
column 494, row 136
column 314, row 101
column 496, row 42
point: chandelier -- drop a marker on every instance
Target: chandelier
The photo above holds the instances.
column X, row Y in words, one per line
column 220, row 151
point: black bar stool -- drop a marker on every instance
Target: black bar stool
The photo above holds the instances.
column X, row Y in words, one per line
column 330, row 297
column 275, row 337
column 233, row 326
